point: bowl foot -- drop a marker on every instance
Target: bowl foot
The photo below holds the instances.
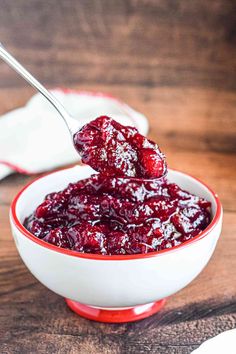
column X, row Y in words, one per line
column 115, row 315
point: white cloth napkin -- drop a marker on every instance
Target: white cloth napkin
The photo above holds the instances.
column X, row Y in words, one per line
column 224, row 343
column 34, row 138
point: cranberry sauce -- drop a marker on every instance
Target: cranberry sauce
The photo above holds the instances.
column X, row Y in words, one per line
column 119, row 210
column 115, row 150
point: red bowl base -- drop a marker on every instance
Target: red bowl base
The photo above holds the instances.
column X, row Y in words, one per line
column 118, row 315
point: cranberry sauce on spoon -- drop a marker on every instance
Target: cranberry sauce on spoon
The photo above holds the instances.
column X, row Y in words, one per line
column 116, row 150
column 129, row 207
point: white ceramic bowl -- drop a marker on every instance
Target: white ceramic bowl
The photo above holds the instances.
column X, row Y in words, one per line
column 116, row 288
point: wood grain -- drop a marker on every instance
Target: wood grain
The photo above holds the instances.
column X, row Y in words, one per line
column 134, row 42
column 181, row 118
column 175, row 61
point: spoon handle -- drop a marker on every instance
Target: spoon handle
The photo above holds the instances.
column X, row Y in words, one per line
column 71, row 123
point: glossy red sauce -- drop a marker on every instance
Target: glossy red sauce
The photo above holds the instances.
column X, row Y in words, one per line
column 128, row 207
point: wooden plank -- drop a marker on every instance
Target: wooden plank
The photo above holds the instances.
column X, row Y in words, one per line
column 180, row 118
column 142, row 42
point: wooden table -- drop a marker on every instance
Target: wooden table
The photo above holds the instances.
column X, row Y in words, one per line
column 35, row 320
column 175, row 61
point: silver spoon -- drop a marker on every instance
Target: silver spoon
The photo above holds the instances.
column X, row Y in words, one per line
column 72, row 124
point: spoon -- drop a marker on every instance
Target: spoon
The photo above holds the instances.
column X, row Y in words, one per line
column 72, row 124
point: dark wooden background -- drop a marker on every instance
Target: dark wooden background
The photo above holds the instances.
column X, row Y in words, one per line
column 175, row 61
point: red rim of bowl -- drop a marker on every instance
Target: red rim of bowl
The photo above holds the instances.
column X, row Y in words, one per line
column 68, row 252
